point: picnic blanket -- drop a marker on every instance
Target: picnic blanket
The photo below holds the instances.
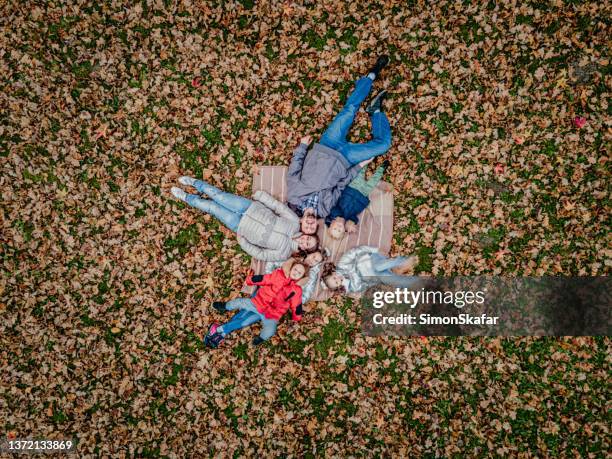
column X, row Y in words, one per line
column 375, row 223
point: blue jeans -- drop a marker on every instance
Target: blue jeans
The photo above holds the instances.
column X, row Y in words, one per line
column 226, row 207
column 248, row 315
column 335, row 135
column 383, row 266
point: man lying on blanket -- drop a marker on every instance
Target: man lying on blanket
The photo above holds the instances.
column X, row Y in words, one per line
column 316, row 180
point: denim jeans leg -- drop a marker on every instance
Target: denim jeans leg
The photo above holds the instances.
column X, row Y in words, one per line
column 227, row 217
column 384, row 264
column 240, row 320
column 335, row 135
column 233, row 202
column 396, row 280
column 268, row 328
column 380, row 143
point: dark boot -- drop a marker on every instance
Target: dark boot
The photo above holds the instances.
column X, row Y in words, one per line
column 376, row 102
column 258, row 340
column 381, row 63
column 213, row 338
column 219, row 306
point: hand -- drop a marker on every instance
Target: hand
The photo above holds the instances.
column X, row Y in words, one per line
column 306, row 140
column 366, row 162
column 350, row 227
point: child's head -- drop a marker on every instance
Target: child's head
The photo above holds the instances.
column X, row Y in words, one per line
column 308, row 222
column 295, row 269
column 308, row 242
column 333, row 280
column 336, row 228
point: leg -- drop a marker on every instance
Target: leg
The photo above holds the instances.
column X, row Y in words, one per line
column 395, row 280
column 240, row 320
column 224, row 215
column 384, row 264
column 335, row 134
column 364, row 186
column 230, row 201
column 380, row 143
column 243, row 304
column 268, row 329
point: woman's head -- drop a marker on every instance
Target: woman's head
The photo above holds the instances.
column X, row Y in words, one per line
column 336, row 228
column 314, row 258
column 308, row 242
column 308, row 222
column 331, row 278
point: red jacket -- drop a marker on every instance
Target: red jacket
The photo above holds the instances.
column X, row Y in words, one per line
column 276, row 294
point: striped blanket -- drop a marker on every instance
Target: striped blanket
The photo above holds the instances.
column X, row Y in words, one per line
column 375, row 223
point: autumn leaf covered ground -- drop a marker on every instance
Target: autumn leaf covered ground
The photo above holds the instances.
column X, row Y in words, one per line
column 500, row 165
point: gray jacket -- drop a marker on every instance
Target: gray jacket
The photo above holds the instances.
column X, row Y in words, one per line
column 321, row 170
column 268, row 228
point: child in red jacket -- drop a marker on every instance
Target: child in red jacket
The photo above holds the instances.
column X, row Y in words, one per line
column 278, row 292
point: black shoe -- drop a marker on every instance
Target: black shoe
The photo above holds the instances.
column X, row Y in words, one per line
column 381, row 63
column 257, row 341
column 385, row 164
column 376, row 102
column 219, row 306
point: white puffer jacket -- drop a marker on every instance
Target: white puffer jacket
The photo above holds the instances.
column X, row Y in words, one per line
column 268, row 229
column 357, row 268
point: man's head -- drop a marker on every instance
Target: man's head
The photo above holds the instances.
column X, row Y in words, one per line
column 308, row 222
column 336, row 228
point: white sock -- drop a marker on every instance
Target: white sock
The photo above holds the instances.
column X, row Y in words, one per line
column 371, row 76
column 178, row 193
column 220, row 330
column 186, row 180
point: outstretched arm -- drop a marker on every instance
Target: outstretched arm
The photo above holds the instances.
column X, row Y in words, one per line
column 299, row 154
column 258, row 279
column 311, row 284
column 295, row 303
column 260, row 253
column 277, row 206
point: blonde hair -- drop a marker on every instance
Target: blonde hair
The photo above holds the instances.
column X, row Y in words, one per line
column 336, row 222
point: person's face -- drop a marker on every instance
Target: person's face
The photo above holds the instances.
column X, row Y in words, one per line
column 309, row 224
column 334, row 281
column 313, row 259
column 307, row 242
column 336, row 229
column 297, row 271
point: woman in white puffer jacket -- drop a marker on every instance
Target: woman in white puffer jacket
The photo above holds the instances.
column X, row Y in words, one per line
column 266, row 228
column 365, row 266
